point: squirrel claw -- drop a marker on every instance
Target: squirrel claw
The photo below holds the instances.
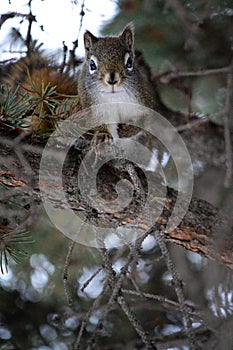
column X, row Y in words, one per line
column 98, row 138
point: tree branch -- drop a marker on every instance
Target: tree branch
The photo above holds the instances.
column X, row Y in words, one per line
column 199, row 232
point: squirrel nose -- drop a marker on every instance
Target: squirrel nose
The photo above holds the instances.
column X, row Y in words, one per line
column 112, row 79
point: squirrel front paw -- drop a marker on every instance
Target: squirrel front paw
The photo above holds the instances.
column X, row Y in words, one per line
column 101, row 135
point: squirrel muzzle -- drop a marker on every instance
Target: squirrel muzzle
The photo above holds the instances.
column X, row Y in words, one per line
column 112, row 79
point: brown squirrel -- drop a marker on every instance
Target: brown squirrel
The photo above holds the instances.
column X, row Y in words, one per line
column 112, row 72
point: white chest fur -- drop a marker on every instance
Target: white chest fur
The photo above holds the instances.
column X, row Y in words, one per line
column 121, row 103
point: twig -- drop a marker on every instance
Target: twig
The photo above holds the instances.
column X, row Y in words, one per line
column 65, row 272
column 179, row 290
column 87, row 315
column 136, row 324
column 31, row 18
column 167, row 77
column 193, row 124
column 107, row 265
column 135, row 285
column 227, row 134
column 160, row 298
column 115, row 284
column 65, row 49
column 82, row 14
column 134, row 177
column 9, row 60
column 110, row 282
column 91, row 278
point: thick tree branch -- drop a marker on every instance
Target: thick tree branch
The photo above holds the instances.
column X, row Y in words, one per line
column 201, row 231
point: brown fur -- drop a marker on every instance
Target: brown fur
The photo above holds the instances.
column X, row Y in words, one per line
column 110, row 53
column 112, row 73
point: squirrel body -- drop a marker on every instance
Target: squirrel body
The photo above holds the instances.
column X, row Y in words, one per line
column 114, row 72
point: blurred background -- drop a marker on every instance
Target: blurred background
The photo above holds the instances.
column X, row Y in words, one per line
column 188, row 46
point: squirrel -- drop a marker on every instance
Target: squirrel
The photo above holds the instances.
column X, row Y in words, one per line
column 113, row 71
column 111, row 66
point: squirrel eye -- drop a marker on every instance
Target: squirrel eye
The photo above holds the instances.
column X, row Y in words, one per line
column 92, row 65
column 128, row 62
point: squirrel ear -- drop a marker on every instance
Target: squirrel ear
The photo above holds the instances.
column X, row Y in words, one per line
column 128, row 35
column 89, row 41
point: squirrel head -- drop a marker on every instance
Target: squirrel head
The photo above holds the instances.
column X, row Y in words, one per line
column 110, row 59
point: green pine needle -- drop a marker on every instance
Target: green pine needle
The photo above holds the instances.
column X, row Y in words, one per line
column 10, row 247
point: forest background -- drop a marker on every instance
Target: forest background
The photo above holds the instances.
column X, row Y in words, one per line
column 164, row 291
